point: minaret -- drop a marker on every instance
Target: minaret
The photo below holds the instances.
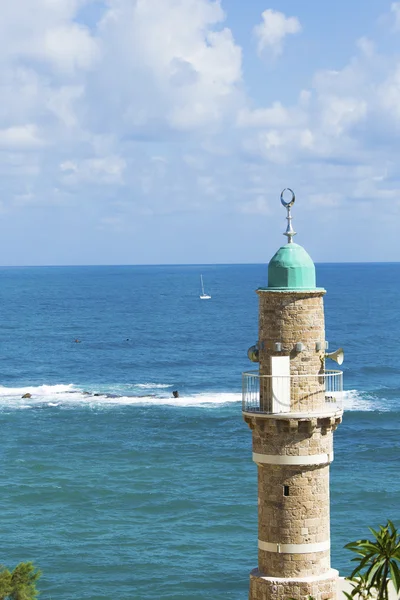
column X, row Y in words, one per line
column 292, row 405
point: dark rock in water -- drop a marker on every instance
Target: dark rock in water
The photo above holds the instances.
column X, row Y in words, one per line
column 98, row 394
column 175, row 394
column 86, row 393
column 27, row 395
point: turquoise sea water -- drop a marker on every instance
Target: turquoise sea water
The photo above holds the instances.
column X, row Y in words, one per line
column 133, row 494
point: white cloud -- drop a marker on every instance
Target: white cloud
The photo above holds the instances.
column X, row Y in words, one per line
column 61, row 103
column 24, row 199
column 338, row 114
column 108, row 169
column 274, row 116
column 69, row 47
column 273, row 29
column 175, row 69
column 339, row 136
column 389, row 94
column 20, row 137
column 46, row 31
column 395, row 9
column 75, row 97
column 366, row 46
column 148, row 107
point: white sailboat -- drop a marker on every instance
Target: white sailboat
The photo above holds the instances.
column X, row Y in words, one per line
column 203, row 296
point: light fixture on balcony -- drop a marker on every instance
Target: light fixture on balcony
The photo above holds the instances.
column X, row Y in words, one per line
column 299, row 347
column 326, row 345
column 278, row 347
column 318, row 346
column 253, row 353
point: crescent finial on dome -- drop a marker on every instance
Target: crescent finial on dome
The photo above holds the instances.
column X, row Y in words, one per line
column 290, row 232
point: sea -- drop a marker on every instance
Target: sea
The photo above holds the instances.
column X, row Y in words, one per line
column 116, row 489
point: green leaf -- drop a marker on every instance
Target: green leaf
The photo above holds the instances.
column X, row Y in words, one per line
column 373, row 574
column 23, row 582
column 395, row 575
column 5, row 583
column 376, row 561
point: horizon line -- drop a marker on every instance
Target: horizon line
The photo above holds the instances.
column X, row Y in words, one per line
column 206, row 264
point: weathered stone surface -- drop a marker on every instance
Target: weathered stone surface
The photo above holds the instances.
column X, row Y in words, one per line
column 322, row 588
column 289, row 318
column 293, row 499
column 273, row 436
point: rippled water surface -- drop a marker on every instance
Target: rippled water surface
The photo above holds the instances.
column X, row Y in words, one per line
column 116, row 489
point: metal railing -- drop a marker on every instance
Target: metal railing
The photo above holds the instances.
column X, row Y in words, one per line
column 274, row 394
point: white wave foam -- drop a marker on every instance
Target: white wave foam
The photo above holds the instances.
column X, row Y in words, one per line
column 355, row 400
column 65, row 395
column 150, row 386
column 61, row 395
column 197, row 400
column 42, row 390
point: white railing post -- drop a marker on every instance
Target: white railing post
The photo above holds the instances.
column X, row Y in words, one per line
column 275, row 392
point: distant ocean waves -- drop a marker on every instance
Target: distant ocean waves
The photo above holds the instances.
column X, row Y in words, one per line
column 156, row 394
column 142, row 394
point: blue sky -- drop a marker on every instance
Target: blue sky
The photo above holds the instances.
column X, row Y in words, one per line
column 163, row 131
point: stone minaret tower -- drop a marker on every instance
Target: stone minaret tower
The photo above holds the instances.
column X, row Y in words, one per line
column 292, row 405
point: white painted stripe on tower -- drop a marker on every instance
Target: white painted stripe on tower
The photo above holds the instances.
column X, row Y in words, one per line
column 284, row 459
column 294, row 548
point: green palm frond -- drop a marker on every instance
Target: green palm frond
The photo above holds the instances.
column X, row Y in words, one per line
column 378, row 562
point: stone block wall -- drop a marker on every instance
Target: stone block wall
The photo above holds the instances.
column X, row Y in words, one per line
column 288, row 318
column 269, row 588
column 293, row 499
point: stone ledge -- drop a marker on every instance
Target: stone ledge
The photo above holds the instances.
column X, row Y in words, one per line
column 320, row 587
column 326, row 421
column 341, row 585
column 331, row 574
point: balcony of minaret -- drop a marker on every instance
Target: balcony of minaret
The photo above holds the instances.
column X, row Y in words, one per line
column 294, row 395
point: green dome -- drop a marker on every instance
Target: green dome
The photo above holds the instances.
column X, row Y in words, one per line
column 291, row 268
